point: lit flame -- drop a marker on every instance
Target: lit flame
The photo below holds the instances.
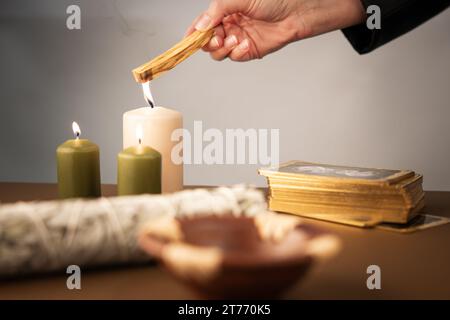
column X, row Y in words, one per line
column 148, row 94
column 139, row 133
column 76, row 129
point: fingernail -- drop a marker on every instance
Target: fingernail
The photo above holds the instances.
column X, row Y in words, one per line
column 244, row 45
column 215, row 42
column 204, row 23
column 231, row 41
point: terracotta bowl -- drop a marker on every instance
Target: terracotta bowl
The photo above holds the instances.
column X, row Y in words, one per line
column 232, row 257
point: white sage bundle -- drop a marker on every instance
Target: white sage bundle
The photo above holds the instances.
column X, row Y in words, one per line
column 51, row 235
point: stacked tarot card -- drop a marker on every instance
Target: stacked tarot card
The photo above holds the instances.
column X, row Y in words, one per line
column 350, row 195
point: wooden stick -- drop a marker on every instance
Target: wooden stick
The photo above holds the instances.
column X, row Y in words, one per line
column 169, row 59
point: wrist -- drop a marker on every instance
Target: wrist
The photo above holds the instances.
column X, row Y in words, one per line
column 321, row 16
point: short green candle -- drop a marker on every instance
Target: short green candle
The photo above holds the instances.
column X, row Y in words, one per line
column 138, row 171
column 78, row 163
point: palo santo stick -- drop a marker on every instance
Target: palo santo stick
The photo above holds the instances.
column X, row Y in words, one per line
column 169, row 59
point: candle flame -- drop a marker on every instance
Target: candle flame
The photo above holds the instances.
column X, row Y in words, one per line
column 76, row 129
column 148, row 94
column 139, row 133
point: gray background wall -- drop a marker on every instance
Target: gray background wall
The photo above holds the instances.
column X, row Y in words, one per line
column 390, row 108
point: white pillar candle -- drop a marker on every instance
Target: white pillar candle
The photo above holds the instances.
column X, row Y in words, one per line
column 157, row 123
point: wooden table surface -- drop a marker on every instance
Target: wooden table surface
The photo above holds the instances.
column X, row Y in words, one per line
column 413, row 266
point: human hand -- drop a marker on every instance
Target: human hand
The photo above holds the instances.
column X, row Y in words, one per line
column 251, row 29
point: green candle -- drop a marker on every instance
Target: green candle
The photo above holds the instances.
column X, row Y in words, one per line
column 78, row 167
column 138, row 169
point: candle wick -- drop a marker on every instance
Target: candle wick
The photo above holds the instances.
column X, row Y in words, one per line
column 150, row 103
column 148, row 94
column 78, row 135
column 140, row 141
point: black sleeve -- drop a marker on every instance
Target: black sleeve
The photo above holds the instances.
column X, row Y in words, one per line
column 397, row 18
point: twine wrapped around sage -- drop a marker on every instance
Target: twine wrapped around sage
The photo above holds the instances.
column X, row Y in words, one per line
column 51, row 235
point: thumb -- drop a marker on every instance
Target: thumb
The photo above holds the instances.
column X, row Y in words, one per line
column 217, row 10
